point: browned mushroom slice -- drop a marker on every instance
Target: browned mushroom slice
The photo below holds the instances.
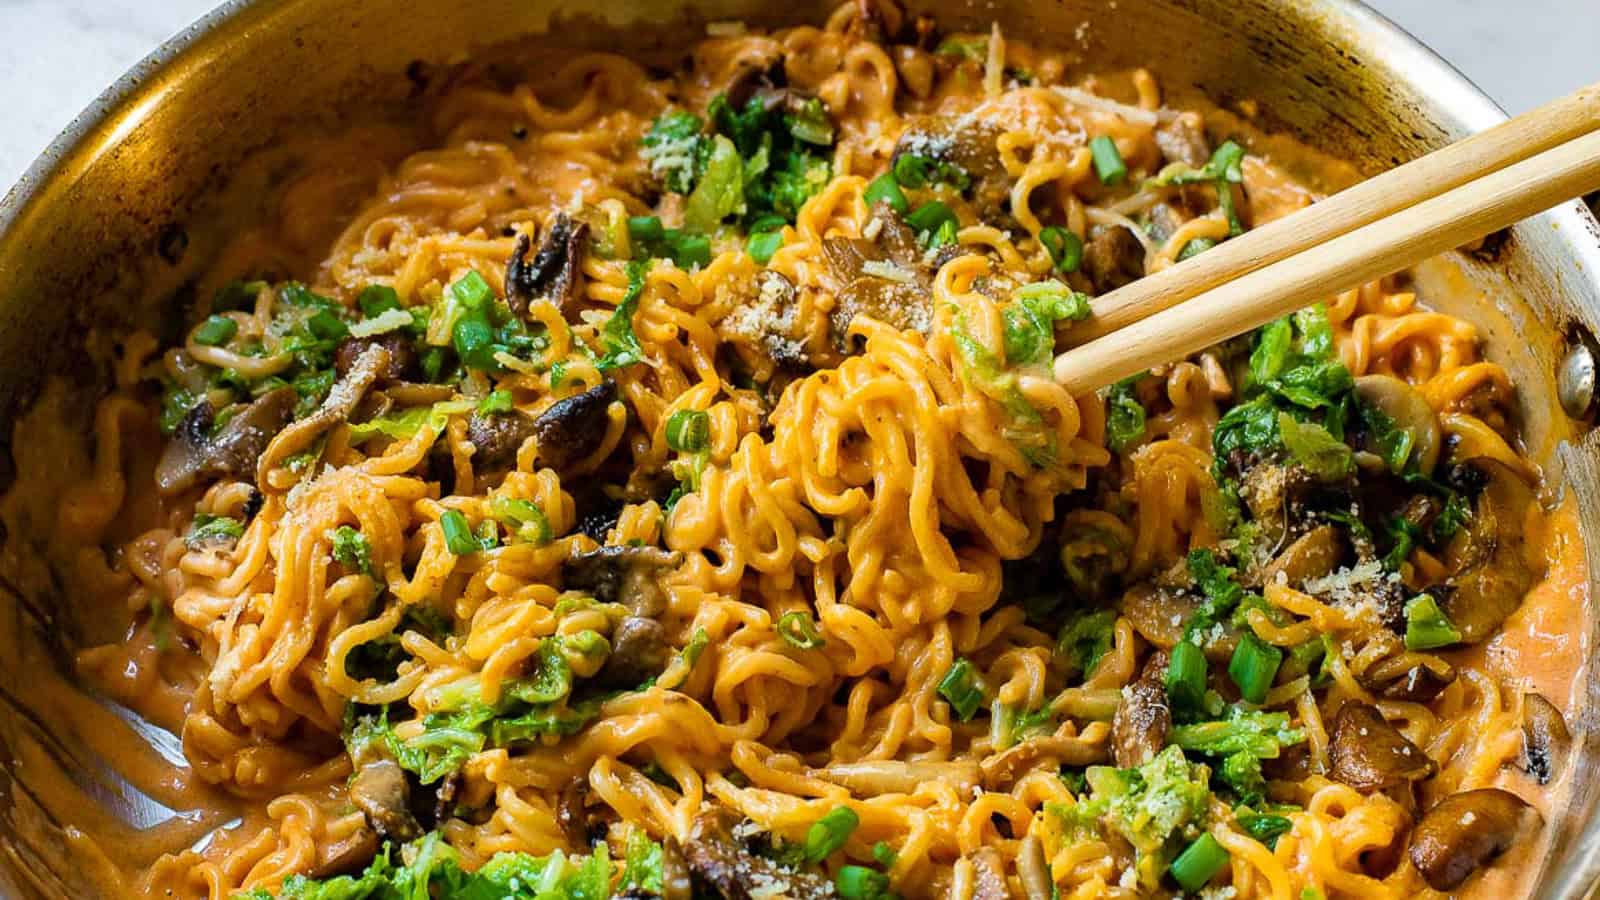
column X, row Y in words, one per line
column 553, row 272
column 571, row 812
column 623, row 574
column 988, row 875
column 402, row 356
column 1139, row 729
column 1411, row 677
column 196, row 455
column 1465, row 831
column 1112, row 257
column 770, row 322
column 883, row 278
column 1312, row 555
column 496, row 438
column 1369, row 754
column 572, row 429
column 1410, row 412
column 729, row 869
column 1545, row 738
column 1183, row 140
column 379, row 789
column 639, row 650
column 972, row 144
column 1160, row 614
column 676, row 882
column 1490, row 570
column 346, row 856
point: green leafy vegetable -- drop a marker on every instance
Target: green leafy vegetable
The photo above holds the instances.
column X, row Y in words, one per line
column 458, row 536
column 619, row 344
column 861, row 883
column 405, row 424
column 720, row 191
column 885, row 189
column 1084, row 640
column 1427, row 627
column 1314, row 448
column 1150, row 806
column 915, row 171
column 495, row 403
column 672, row 148
column 351, row 549
column 215, row 331
column 1029, row 320
column 207, row 528
column 522, row 518
column 643, row 869
column 1265, row 828
column 689, row 431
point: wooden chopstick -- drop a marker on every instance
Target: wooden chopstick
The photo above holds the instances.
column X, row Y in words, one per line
column 1455, row 217
column 1428, row 176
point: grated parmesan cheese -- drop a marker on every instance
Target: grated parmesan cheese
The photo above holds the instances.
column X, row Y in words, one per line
column 888, row 271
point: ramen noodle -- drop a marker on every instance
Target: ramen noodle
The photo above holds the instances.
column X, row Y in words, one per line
column 650, row 483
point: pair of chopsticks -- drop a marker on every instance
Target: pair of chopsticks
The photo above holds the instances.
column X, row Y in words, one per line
column 1448, row 198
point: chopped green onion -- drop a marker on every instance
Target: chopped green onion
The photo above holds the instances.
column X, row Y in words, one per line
column 860, row 883
column 1199, row 863
column 1253, row 667
column 1108, row 164
column 886, row 189
column 1195, row 247
column 1427, row 627
column 497, row 402
column 458, row 536
column 1064, row 247
column 216, row 330
column 913, row 171
column 884, row 854
column 762, row 245
column 829, row 833
column 962, row 687
column 523, row 518
column 930, row 217
column 689, row 431
column 800, row 630
column 1186, row 676
column 645, row 228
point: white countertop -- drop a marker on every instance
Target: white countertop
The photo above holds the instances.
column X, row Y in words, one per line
column 59, row 54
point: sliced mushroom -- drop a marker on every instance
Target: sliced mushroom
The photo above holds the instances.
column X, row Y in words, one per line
column 971, row 143
column 676, row 882
column 553, row 272
column 883, row 278
column 1183, row 140
column 770, row 322
column 1312, row 555
column 1370, row 755
column 496, row 438
column 1545, row 738
column 1490, row 570
column 1465, row 831
column 1410, row 412
column 988, row 875
column 729, row 869
column 639, row 650
column 1033, row 870
column 1160, row 614
column 195, row 455
column 572, row 429
column 1112, row 257
column 623, row 574
column 336, row 408
column 346, row 856
column 1139, row 729
column 381, row 792
column 572, row 814
column 1415, row 678
column 892, row 776
column 402, row 356
column 1002, row 770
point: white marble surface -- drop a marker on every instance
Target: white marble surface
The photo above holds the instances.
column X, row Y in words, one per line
column 58, row 54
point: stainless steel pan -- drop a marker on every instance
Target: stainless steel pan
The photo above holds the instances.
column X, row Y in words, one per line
column 91, row 232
